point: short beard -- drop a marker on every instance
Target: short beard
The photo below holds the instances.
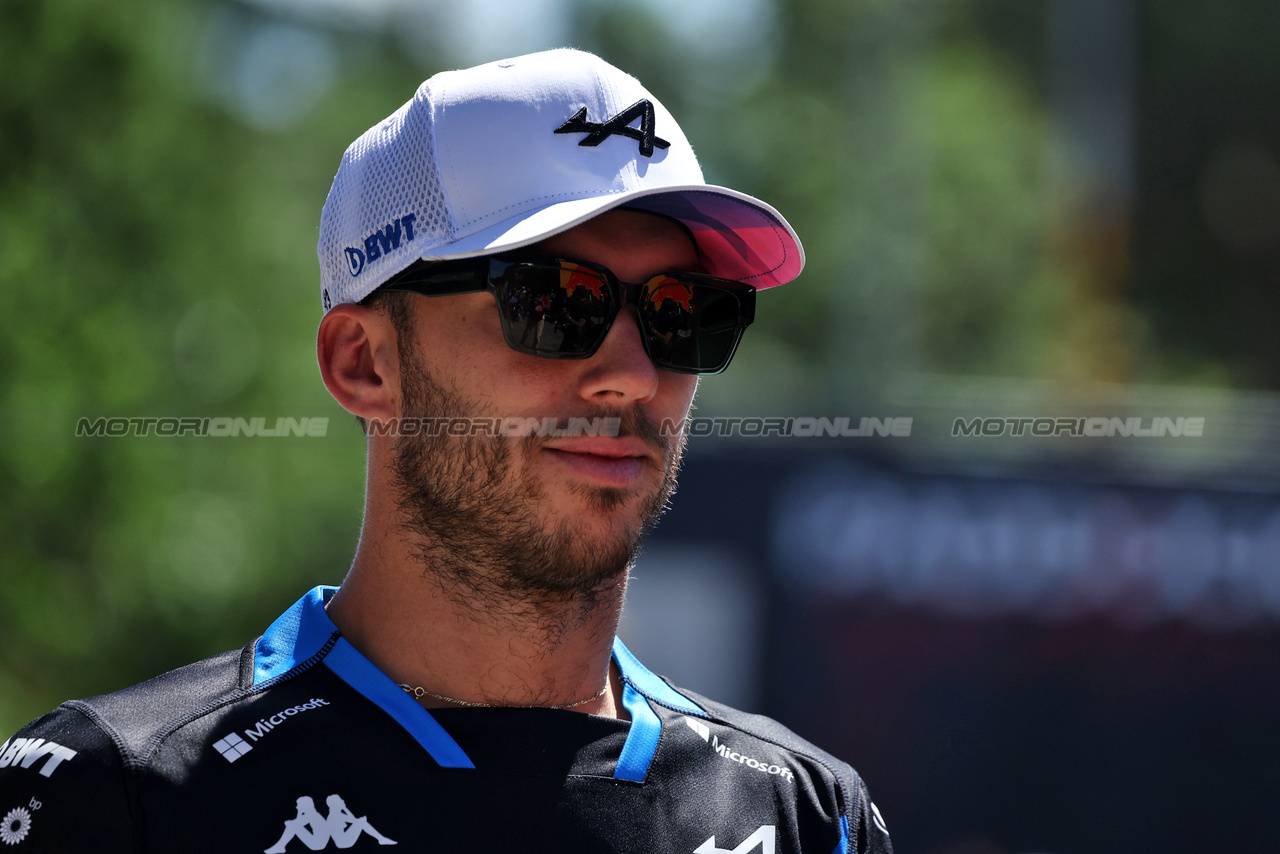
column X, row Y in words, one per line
column 475, row 526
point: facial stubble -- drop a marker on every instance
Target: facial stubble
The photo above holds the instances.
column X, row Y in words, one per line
column 483, row 527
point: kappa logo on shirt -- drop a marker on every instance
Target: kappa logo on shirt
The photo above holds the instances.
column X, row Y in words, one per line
column 316, row 831
column 704, row 732
column 765, row 837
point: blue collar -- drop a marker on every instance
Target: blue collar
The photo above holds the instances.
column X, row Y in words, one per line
column 304, row 636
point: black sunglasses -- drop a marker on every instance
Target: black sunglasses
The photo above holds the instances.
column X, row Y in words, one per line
column 562, row 309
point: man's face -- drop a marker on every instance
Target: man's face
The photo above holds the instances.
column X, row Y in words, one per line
column 542, row 515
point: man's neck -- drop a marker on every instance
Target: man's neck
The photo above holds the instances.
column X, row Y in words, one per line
column 424, row 632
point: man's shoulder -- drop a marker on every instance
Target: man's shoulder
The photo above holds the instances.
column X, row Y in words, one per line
column 142, row 715
column 769, row 748
column 767, row 731
column 763, row 728
column 68, row 778
column 123, row 728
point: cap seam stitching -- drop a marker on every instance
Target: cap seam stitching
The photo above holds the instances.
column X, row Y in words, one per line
column 435, row 153
column 588, row 194
column 781, row 243
column 610, row 97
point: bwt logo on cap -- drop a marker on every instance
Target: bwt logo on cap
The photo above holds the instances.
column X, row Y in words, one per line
column 381, row 242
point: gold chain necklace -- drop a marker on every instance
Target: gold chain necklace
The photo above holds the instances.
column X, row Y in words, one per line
column 418, row 693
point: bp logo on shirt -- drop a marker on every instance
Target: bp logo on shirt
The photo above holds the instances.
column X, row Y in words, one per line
column 15, row 826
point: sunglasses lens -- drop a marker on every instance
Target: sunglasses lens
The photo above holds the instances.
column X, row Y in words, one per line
column 562, row 310
column 692, row 327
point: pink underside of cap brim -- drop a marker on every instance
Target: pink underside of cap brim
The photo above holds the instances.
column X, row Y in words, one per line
column 739, row 237
column 742, row 255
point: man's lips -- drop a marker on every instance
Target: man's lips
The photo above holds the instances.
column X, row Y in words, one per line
column 609, row 461
column 601, row 446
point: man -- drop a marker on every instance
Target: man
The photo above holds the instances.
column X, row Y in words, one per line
column 523, row 275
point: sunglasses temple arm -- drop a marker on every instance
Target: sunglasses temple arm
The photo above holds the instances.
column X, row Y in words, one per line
column 441, row 280
column 748, row 303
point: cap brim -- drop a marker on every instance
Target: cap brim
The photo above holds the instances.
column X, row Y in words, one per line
column 740, row 237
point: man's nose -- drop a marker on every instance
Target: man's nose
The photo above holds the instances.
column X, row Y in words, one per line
column 620, row 371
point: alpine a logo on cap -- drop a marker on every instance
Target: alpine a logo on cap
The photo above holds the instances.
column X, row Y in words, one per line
column 381, row 242
column 598, row 132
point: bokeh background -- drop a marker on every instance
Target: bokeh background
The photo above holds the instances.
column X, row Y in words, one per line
column 1012, row 208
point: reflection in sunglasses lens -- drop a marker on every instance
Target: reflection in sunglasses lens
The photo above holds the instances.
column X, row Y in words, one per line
column 567, row 309
column 556, row 309
column 690, row 325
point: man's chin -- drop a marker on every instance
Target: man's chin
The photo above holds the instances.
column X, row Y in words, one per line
column 616, row 505
column 580, row 560
column 599, row 513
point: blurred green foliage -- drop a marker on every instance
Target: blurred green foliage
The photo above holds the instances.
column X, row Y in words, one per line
column 157, row 259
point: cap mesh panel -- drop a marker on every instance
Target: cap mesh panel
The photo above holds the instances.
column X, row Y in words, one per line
column 387, row 174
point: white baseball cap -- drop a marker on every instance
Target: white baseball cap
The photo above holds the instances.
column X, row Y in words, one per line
column 503, row 155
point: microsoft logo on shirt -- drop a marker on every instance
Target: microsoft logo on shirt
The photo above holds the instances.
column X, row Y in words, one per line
column 232, row 747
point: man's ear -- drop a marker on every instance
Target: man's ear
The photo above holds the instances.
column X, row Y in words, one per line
column 359, row 361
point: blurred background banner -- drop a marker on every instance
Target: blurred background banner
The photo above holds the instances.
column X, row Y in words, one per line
column 989, row 503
